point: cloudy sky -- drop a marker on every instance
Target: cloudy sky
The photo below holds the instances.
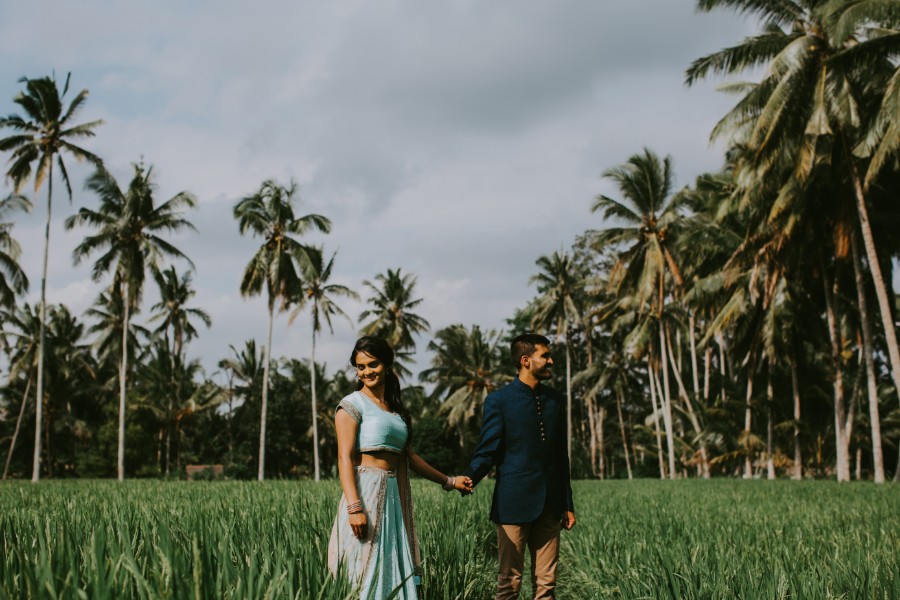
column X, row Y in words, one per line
column 457, row 140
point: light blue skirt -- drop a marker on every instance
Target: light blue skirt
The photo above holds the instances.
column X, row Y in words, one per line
column 383, row 563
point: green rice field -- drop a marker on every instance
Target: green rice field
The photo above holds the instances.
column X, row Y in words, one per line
column 640, row 539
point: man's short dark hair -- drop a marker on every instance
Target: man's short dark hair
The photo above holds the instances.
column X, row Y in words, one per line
column 524, row 345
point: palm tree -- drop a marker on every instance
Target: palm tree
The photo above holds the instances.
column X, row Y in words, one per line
column 316, row 289
column 25, row 326
column 873, row 29
column 128, row 226
column 391, row 312
column 646, row 184
column 70, row 366
column 12, row 278
column 174, row 294
column 71, row 371
column 244, row 367
column 108, row 313
column 465, row 368
column 169, row 391
column 269, row 214
column 558, row 284
column 44, row 134
column 814, row 102
column 616, row 374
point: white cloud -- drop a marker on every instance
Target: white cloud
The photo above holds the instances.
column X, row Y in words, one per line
column 458, row 140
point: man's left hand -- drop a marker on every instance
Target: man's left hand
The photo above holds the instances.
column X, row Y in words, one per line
column 568, row 520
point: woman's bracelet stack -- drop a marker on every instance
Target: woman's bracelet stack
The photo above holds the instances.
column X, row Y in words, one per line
column 450, row 484
column 354, row 508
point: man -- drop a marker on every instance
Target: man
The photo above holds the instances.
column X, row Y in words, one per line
column 523, row 434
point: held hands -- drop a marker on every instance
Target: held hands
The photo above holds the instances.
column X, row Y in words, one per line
column 461, row 483
column 464, row 485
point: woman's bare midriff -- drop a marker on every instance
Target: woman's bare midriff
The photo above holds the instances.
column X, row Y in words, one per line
column 387, row 461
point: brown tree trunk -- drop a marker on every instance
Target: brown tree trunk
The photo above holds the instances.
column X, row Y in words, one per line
column 592, row 426
column 601, row 418
column 840, row 417
column 12, row 443
column 798, row 458
column 707, row 359
column 622, row 430
column 569, row 397
column 168, row 449
column 39, row 408
column 659, row 445
column 869, row 354
column 667, row 402
column 159, row 452
column 770, row 425
column 695, row 422
column 265, row 397
column 123, row 365
column 748, row 416
column 315, row 419
column 722, row 366
column 881, row 294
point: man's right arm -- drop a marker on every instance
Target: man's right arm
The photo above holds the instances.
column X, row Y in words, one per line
column 491, row 442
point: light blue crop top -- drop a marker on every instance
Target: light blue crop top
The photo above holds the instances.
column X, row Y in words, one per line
column 379, row 430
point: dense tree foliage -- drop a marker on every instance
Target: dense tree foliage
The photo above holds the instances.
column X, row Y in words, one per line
column 744, row 325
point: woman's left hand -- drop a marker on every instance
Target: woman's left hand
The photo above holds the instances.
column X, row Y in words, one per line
column 463, row 485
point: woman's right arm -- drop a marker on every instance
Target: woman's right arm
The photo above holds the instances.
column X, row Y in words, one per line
column 346, row 427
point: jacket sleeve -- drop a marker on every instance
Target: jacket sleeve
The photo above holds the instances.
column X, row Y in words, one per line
column 490, row 447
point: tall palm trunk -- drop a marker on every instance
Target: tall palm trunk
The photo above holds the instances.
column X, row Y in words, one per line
column 884, row 305
column 39, row 410
column 659, row 447
column 667, row 401
column 265, row 397
column 694, row 370
column 312, row 376
column 12, row 443
column 707, row 359
column 569, row 396
column 168, row 448
column 798, row 457
column 159, row 452
column 593, row 435
column 841, row 443
column 622, row 430
column 601, row 440
column 720, row 341
column 770, row 424
column 695, row 422
column 122, row 369
column 869, row 354
column 748, row 415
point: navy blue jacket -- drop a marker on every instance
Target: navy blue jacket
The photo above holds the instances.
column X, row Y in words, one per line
column 532, row 470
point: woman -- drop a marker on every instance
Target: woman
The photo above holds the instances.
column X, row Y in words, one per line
column 373, row 534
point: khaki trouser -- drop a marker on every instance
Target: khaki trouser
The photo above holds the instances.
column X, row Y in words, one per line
column 542, row 539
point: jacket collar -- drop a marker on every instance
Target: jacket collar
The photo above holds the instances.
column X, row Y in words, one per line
column 524, row 387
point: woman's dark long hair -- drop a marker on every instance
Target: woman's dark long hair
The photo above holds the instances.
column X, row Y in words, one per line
column 378, row 347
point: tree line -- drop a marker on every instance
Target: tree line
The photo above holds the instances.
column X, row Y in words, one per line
column 743, row 325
